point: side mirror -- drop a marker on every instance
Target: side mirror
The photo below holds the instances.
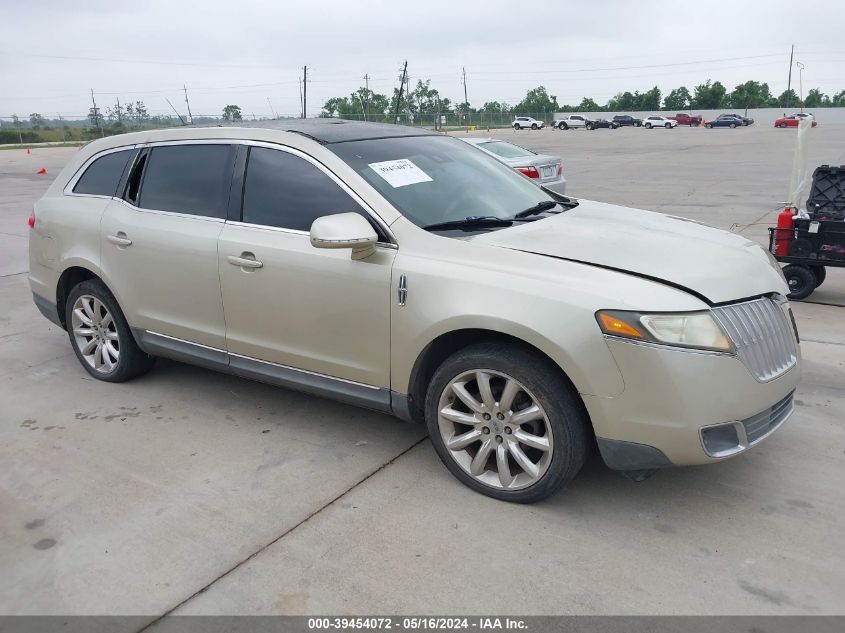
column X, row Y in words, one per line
column 344, row 230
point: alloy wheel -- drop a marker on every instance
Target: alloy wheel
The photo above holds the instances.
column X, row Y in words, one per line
column 95, row 333
column 495, row 429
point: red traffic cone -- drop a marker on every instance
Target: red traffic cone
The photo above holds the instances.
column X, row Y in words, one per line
column 27, row 151
column 41, row 171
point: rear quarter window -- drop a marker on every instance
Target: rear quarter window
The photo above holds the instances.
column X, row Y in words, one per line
column 191, row 179
column 103, row 175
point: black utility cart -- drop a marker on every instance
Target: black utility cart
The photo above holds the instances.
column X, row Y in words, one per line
column 812, row 245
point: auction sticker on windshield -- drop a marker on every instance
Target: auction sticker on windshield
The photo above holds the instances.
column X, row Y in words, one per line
column 399, row 173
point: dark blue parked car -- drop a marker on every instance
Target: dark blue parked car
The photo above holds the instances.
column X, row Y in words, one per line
column 725, row 120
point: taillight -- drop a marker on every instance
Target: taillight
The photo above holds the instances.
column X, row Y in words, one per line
column 531, row 172
column 560, row 170
column 31, row 220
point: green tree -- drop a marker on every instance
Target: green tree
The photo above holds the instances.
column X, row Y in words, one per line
column 838, row 100
column 788, row 99
column 36, row 120
column 232, row 113
column 588, row 105
column 623, row 102
column 649, row 100
column 95, row 118
column 751, row 94
column 678, row 99
column 141, row 116
column 709, row 96
column 536, row 101
column 816, row 99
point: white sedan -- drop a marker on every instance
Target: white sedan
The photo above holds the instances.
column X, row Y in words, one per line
column 658, row 121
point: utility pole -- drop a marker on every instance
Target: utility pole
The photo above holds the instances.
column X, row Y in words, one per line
column 800, row 83
column 97, row 114
column 188, row 103
column 119, row 114
column 789, row 81
column 305, row 92
column 367, row 94
column 275, row 116
column 466, row 100
column 300, row 96
column 399, row 98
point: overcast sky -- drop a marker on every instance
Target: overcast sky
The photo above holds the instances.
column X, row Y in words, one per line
column 244, row 52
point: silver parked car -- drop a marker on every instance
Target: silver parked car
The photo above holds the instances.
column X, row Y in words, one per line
column 544, row 169
column 404, row 271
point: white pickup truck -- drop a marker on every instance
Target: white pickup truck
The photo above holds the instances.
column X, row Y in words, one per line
column 570, row 121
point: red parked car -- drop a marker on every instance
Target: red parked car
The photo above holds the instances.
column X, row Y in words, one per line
column 791, row 121
column 686, row 119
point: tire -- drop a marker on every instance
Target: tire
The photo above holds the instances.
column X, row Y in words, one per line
column 733, row 126
column 563, row 126
column 709, row 126
column 820, row 273
column 561, row 424
column 782, row 125
column 516, row 126
column 94, row 318
column 533, row 126
column 648, row 126
column 668, row 126
column 801, row 281
column 589, row 127
column 696, row 124
column 637, row 124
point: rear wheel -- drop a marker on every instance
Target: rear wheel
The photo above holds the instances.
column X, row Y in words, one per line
column 820, row 273
column 648, row 126
column 782, row 125
column 516, row 126
column 563, row 126
column 801, row 281
column 505, row 423
column 709, row 126
column 100, row 335
column 733, row 125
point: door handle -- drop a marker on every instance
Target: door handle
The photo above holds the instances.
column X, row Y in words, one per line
column 120, row 239
column 245, row 262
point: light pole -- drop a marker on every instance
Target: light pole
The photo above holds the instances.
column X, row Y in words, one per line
column 801, row 83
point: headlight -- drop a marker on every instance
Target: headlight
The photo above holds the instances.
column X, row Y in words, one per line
column 698, row 330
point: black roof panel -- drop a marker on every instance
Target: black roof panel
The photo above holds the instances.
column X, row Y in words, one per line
column 329, row 131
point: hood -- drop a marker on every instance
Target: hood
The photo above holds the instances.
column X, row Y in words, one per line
column 711, row 263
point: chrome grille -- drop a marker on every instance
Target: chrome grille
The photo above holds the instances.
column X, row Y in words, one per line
column 762, row 335
column 759, row 426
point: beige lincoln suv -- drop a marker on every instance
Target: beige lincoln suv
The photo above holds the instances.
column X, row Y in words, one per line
column 411, row 273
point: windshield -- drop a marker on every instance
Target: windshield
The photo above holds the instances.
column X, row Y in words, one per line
column 434, row 179
column 505, row 150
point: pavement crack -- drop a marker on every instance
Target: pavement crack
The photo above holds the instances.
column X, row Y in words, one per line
column 282, row 535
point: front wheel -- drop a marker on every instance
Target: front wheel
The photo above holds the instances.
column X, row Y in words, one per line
column 668, row 126
column 801, row 281
column 533, row 126
column 100, row 335
column 648, row 126
column 506, row 423
column 637, row 124
column 733, row 126
column 782, row 125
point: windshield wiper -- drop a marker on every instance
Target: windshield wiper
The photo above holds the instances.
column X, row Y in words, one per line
column 471, row 221
column 545, row 205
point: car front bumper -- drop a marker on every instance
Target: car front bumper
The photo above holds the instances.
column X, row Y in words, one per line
column 683, row 407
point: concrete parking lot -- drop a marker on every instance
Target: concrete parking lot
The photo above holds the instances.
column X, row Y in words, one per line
column 192, row 492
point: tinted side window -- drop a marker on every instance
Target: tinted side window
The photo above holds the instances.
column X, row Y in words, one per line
column 103, row 175
column 287, row 191
column 191, row 179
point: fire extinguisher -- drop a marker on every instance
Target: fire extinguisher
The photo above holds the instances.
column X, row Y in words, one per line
column 784, row 233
